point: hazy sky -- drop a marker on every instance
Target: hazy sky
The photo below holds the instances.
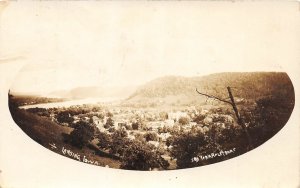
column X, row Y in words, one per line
column 68, row 44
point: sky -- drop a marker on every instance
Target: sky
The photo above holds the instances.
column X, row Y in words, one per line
column 68, row 44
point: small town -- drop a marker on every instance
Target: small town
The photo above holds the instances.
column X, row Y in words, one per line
column 161, row 129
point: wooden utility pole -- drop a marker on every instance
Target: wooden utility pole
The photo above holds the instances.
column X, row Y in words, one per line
column 238, row 116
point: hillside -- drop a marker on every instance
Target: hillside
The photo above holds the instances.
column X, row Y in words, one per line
column 249, row 85
column 50, row 135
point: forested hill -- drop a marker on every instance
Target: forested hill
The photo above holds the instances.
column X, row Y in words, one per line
column 248, row 85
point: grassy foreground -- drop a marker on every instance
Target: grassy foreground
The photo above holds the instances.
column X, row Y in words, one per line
column 49, row 135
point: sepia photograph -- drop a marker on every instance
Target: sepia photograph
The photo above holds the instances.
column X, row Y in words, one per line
column 149, row 94
column 171, row 122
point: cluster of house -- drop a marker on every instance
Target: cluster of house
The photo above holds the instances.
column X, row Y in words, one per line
column 153, row 120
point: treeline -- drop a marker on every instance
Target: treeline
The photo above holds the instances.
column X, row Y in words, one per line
column 21, row 100
column 251, row 86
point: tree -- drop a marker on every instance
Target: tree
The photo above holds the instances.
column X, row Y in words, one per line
column 119, row 142
column 240, row 120
column 186, row 146
column 183, row 120
column 151, row 136
column 269, row 116
column 199, row 118
column 104, row 140
column 64, row 117
column 135, row 126
column 142, row 156
column 111, row 129
column 109, row 123
column 109, row 114
column 82, row 134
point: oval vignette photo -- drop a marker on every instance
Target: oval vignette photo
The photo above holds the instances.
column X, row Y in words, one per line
column 163, row 122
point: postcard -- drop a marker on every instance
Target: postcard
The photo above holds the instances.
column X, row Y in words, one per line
column 149, row 94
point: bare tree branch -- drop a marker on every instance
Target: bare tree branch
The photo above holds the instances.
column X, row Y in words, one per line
column 213, row 97
column 239, row 118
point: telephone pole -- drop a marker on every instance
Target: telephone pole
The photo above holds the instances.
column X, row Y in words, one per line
column 240, row 120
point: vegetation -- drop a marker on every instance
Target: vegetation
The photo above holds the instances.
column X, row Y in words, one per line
column 142, row 156
column 181, row 133
column 82, row 134
column 186, row 146
column 64, row 117
column 180, row 91
column 183, row 120
column 21, row 100
column 151, row 136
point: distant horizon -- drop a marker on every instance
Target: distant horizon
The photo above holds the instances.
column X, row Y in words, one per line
column 30, row 93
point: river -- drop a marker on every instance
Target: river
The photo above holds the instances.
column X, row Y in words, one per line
column 73, row 102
